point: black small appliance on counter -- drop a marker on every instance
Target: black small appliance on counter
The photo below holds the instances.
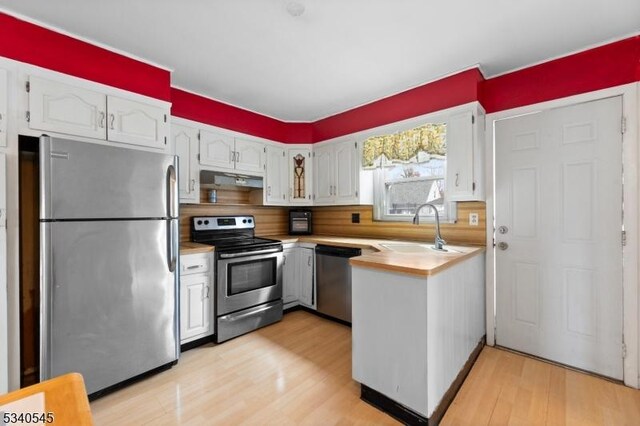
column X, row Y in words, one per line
column 300, row 222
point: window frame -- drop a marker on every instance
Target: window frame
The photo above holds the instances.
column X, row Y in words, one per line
column 449, row 211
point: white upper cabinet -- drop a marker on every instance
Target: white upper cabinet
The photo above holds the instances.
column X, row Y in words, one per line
column 136, row 123
column 347, row 171
column 300, row 172
column 217, row 150
column 220, row 151
column 324, row 174
column 465, row 156
column 3, row 107
column 185, row 140
column 249, row 156
column 337, row 170
column 275, row 181
column 62, row 108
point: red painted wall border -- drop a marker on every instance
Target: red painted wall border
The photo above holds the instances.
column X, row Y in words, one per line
column 605, row 66
column 457, row 89
column 209, row 111
column 30, row 43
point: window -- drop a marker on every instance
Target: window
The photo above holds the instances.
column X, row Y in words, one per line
column 409, row 170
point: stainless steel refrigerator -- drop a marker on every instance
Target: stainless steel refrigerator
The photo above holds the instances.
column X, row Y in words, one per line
column 108, row 255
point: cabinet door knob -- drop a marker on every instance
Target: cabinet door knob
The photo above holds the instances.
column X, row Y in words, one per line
column 503, row 246
column 457, row 178
column 112, row 118
column 103, row 117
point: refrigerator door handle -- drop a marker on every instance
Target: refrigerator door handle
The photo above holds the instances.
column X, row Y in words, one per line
column 172, row 238
column 172, row 185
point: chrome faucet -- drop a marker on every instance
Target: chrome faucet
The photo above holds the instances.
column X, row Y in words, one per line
column 439, row 242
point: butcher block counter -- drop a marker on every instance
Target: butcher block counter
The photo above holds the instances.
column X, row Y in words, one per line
column 406, row 257
column 187, row 247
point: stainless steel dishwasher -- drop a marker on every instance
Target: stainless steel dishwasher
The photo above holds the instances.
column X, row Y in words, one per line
column 333, row 280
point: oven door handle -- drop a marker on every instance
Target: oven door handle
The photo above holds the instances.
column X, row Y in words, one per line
column 239, row 316
column 248, row 253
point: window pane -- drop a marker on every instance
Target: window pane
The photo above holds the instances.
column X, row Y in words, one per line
column 412, row 166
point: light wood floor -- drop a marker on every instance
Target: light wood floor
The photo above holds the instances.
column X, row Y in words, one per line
column 294, row 372
column 298, row 371
column 504, row 388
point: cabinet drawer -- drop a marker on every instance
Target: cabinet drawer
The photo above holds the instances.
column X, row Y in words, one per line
column 195, row 264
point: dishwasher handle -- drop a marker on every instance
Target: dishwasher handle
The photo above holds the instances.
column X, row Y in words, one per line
column 338, row 251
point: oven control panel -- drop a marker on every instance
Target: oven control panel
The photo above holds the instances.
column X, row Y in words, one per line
column 209, row 223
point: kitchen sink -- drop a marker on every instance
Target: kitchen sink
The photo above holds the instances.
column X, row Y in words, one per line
column 415, row 248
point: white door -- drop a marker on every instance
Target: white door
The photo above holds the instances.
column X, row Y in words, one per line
column 3, row 107
column 249, row 156
column 305, row 263
column 289, row 276
column 185, row 140
column 559, row 222
column 324, row 177
column 346, row 184
column 195, row 306
column 4, row 320
column 276, row 175
column 216, row 150
column 62, row 108
column 136, row 123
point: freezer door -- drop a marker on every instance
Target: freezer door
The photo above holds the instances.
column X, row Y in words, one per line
column 80, row 180
column 108, row 299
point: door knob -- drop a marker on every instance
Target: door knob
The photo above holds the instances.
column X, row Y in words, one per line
column 503, row 229
column 503, row 246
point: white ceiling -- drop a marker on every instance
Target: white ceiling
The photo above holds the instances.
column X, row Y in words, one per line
column 340, row 53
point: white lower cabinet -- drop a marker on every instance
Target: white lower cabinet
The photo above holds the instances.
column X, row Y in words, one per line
column 196, row 296
column 306, row 259
column 297, row 276
column 290, row 288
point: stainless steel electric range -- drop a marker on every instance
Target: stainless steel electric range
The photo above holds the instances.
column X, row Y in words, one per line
column 248, row 274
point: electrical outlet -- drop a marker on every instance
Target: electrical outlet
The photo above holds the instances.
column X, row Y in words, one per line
column 355, row 217
column 473, row 219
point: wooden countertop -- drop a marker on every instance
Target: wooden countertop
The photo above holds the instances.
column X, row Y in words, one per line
column 187, row 247
column 421, row 263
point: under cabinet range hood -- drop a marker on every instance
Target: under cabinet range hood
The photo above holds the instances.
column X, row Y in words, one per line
column 222, row 180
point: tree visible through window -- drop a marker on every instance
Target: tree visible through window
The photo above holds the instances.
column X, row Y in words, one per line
column 410, row 170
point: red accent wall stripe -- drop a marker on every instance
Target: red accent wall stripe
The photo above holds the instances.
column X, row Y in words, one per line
column 606, row 66
column 448, row 92
column 204, row 110
column 30, row 43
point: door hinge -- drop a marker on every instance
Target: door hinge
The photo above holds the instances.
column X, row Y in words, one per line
column 28, row 86
column 623, row 125
column 165, row 118
column 165, row 140
column 356, row 192
column 284, row 154
column 473, row 119
column 473, row 186
column 624, row 350
column 28, row 116
column 198, row 135
column 356, row 144
column 624, row 238
column 265, row 149
column 198, row 157
column 264, row 166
